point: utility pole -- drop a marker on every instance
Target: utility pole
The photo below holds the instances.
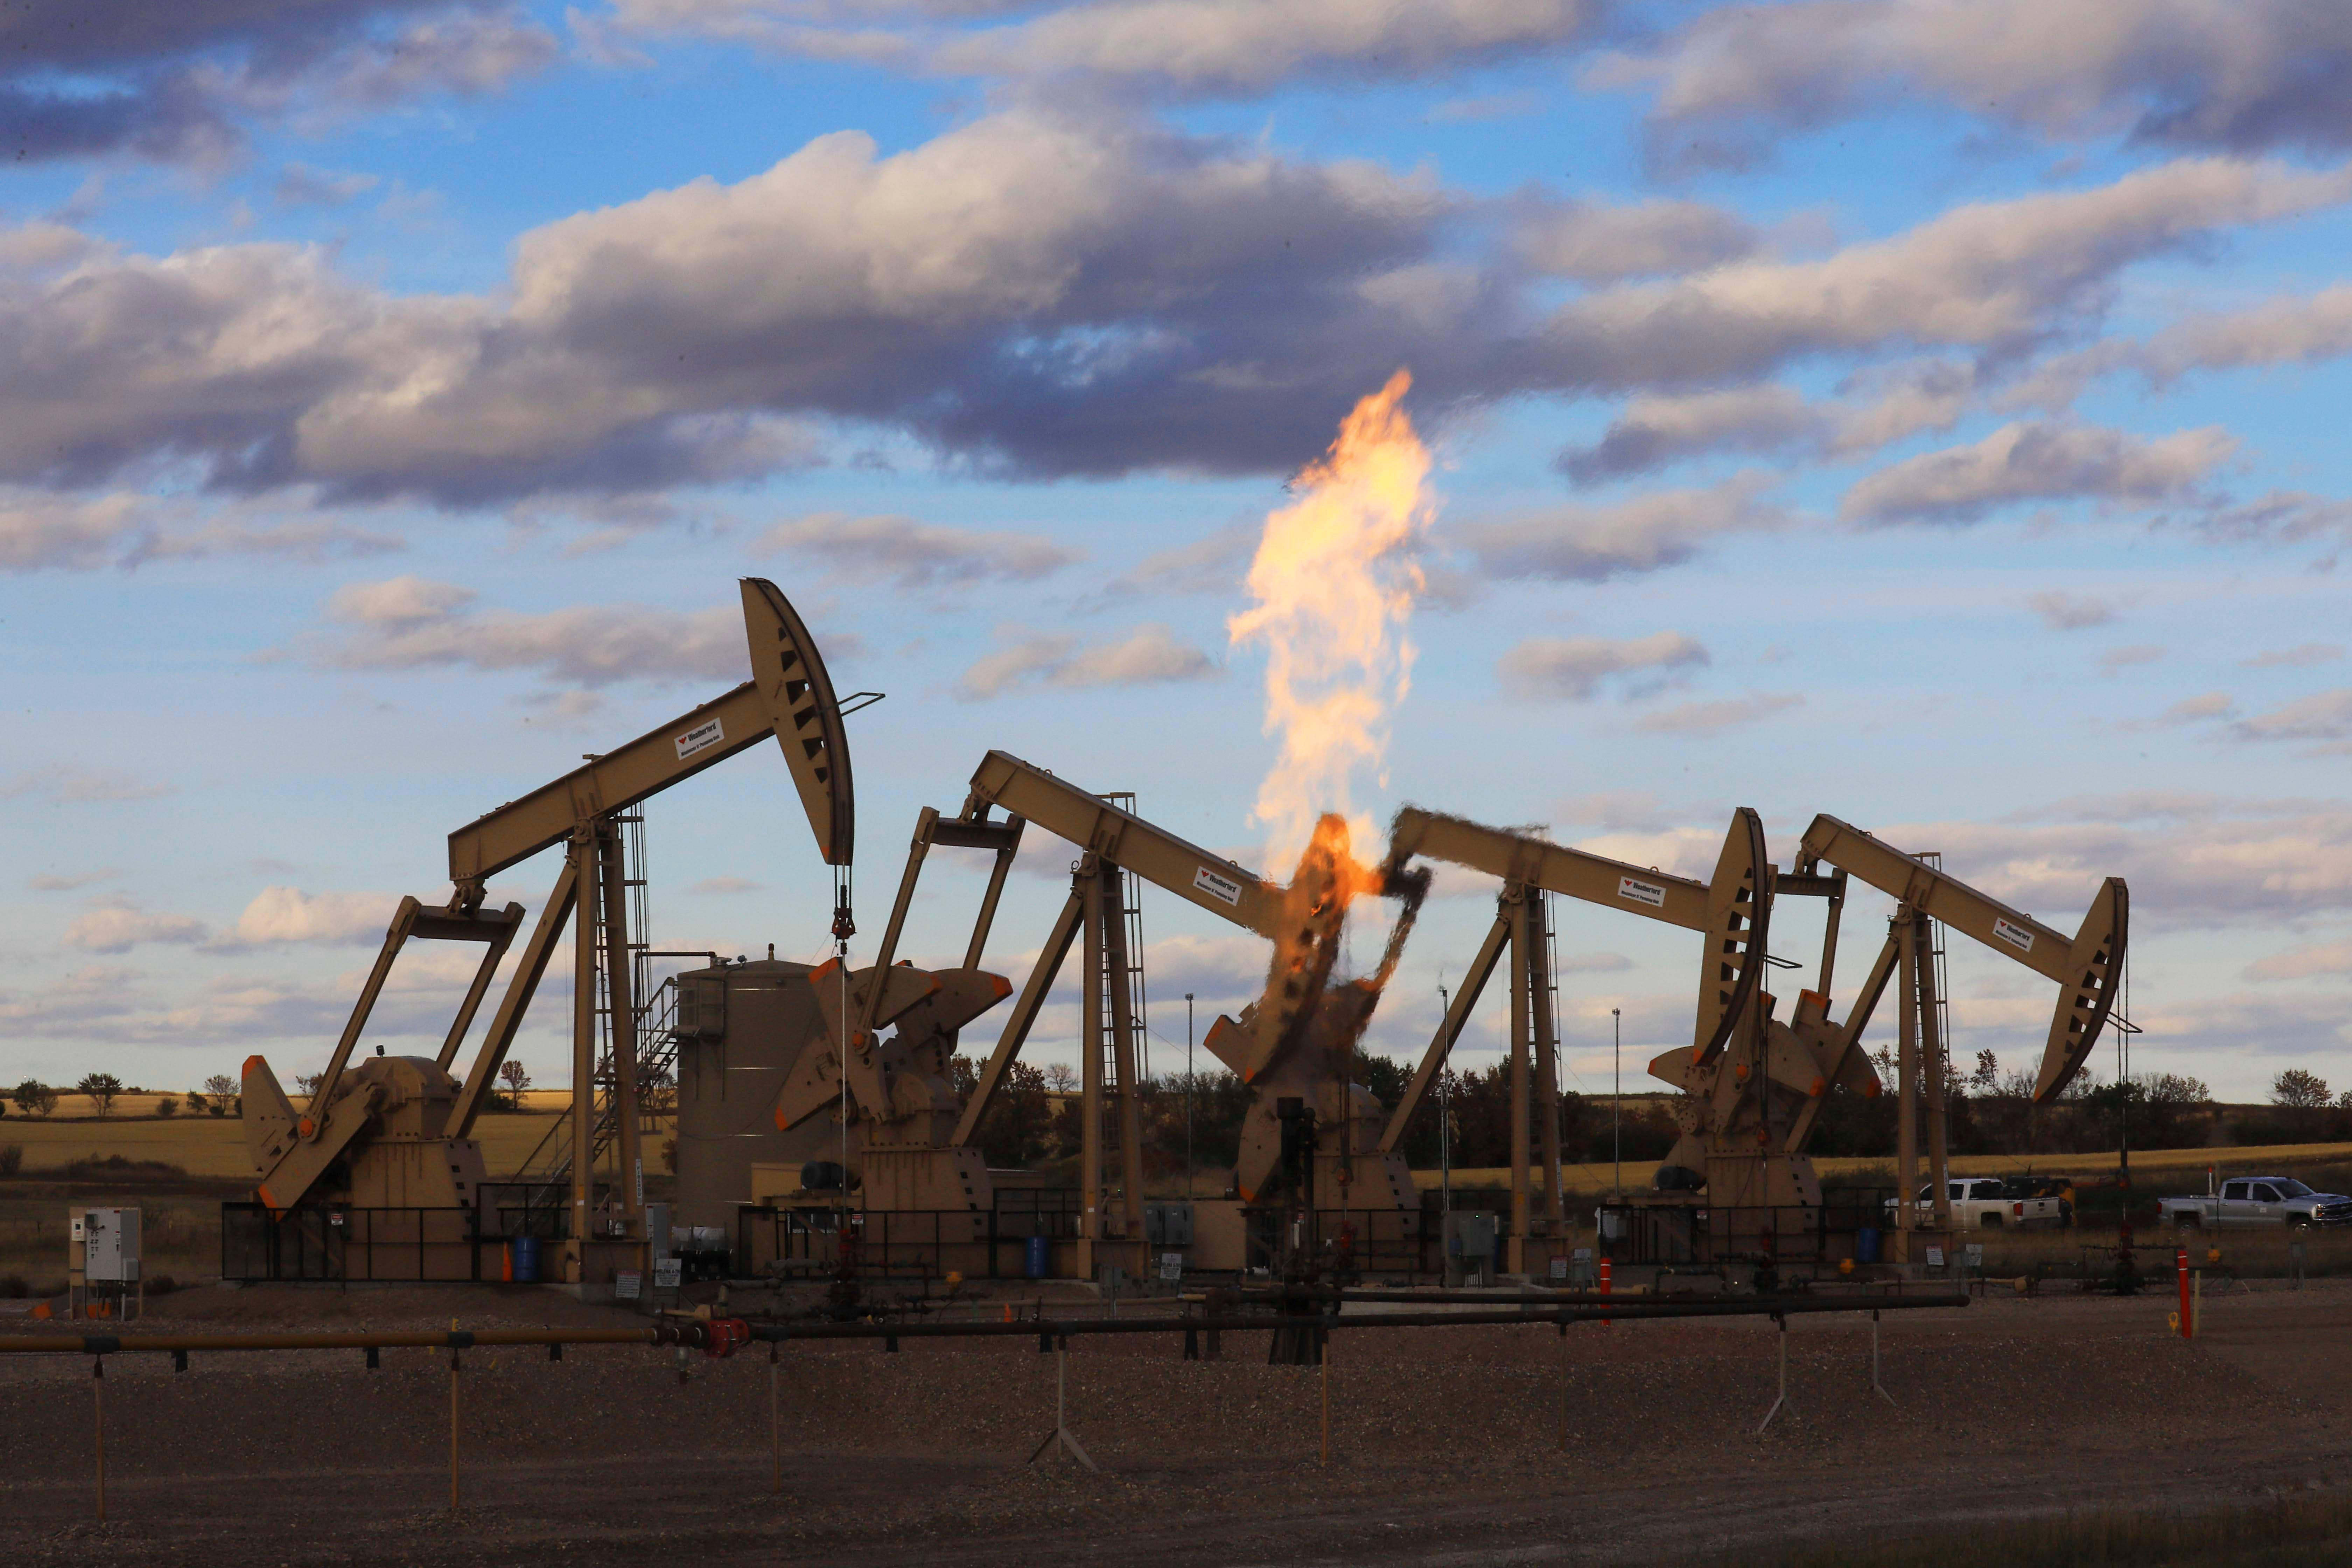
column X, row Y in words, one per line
column 1444, row 1128
column 1188, row 1097
column 1616, row 1101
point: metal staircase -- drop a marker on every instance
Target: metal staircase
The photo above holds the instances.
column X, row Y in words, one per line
column 549, row 1162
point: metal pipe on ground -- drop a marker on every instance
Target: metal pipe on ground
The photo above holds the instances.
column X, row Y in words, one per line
column 698, row 1334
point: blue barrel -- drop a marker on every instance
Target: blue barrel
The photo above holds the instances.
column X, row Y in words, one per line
column 1037, row 1257
column 1865, row 1245
column 526, row 1259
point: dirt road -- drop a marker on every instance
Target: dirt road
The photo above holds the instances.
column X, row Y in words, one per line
column 1446, row 1442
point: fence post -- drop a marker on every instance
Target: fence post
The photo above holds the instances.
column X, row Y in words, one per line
column 775, row 1429
column 97, row 1388
column 454, row 1359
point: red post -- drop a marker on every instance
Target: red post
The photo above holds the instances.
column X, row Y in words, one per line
column 2180, row 1269
column 1605, row 1283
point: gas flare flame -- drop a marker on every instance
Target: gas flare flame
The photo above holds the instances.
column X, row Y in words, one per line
column 1333, row 587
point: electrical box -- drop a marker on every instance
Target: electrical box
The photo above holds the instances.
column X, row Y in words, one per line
column 1470, row 1247
column 105, row 1246
column 1168, row 1224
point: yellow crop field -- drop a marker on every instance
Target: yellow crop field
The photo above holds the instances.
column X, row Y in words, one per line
column 1594, row 1180
column 213, row 1146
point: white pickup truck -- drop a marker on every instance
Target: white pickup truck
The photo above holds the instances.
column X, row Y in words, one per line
column 1983, row 1203
column 2258, row 1200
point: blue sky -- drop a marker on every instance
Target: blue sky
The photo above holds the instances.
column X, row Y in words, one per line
column 1923, row 413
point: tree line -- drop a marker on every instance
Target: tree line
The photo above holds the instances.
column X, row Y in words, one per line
column 1034, row 1120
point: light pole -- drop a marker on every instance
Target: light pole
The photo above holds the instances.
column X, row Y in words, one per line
column 1188, row 1097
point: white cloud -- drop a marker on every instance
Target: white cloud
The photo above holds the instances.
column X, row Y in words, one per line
column 282, row 914
column 2020, row 462
column 1149, row 655
column 727, row 885
column 120, row 925
column 1572, row 668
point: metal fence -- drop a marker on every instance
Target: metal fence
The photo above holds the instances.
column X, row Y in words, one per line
column 912, row 1244
column 1841, row 1228
column 355, row 1244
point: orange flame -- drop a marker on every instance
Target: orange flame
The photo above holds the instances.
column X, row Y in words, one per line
column 1333, row 586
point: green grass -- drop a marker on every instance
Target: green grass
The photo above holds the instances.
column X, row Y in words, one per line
column 2315, row 1533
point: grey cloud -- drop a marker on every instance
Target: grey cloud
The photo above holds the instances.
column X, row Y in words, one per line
column 1214, row 564
column 65, row 882
column 917, row 555
column 2300, row 656
column 1653, row 431
column 2239, row 75
column 2292, row 331
column 1708, row 718
column 2120, row 658
column 1886, row 405
column 1029, row 294
column 1592, row 543
column 410, row 623
column 2280, row 517
column 40, row 532
column 64, row 783
column 2021, row 462
column 1215, row 49
column 304, row 184
column 2332, row 958
column 1988, row 276
column 2191, row 861
column 1595, row 963
column 179, row 81
column 2065, row 612
column 2322, row 716
column 1150, row 654
column 2208, row 705
column 1572, row 668
column 1595, row 244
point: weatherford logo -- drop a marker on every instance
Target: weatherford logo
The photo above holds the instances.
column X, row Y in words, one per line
column 702, row 738
column 1642, row 892
column 2017, row 936
column 1216, row 887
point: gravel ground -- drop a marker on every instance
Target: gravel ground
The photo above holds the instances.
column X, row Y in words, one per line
column 1447, row 1443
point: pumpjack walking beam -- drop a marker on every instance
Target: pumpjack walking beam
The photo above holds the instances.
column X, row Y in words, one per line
column 1112, row 840
column 790, row 697
column 1730, row 909
column 2085, row 968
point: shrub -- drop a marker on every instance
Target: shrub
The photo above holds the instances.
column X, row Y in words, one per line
column 12, row 1157
column 35, row 1097
column 167, row 1106
column 196, row 1102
